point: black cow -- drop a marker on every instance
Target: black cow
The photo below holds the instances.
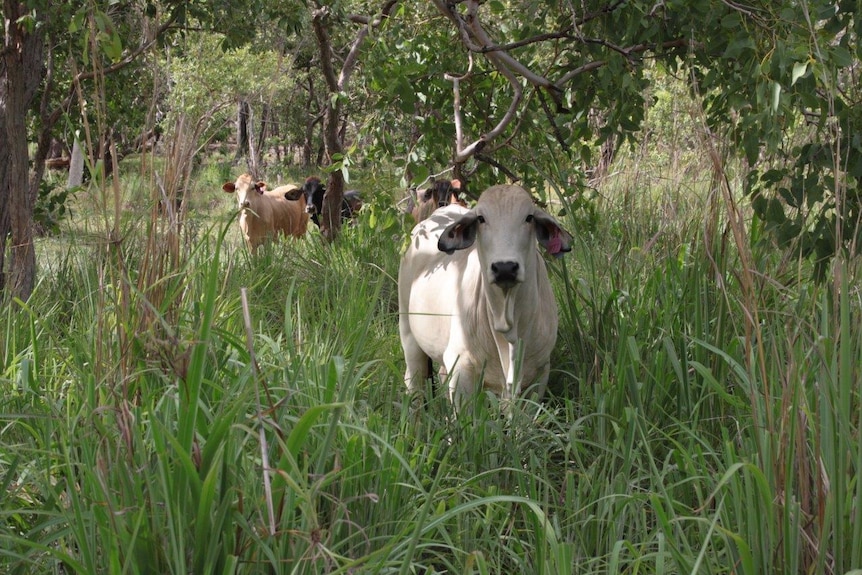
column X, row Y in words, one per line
column 314, row 191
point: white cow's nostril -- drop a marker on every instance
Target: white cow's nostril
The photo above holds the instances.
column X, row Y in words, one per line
column 505, row 273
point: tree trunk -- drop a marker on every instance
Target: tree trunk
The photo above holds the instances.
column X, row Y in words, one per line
column 330, row 217
column 22, row 61
column 253, row 154
column 76, row 165
column 242, row 136
column 263, row 133
column 5, row 187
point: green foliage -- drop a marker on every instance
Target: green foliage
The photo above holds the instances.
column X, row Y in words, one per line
column 793, row 100
column 777, row 79
column 97, row 37
column 204, row 79
column 51, row 206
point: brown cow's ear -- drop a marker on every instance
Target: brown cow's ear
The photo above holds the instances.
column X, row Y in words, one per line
column 293, row 194
column 229, row 187
column 260, row 186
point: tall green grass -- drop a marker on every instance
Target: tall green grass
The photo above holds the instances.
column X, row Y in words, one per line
column 659, row 450
column 150, row 422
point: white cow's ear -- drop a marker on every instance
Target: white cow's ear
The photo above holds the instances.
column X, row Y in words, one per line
column 459, row 234
column 229, row 187
column 551, row 235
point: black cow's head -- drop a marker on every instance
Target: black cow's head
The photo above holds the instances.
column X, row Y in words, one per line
column 314, row 190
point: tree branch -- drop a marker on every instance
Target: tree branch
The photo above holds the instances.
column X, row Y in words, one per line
column 368, row 24
column 456, row 89
column 489, row 160
column 462, row 154
column 579, row 70
column 317, row 22
column 131, row 56
column 499, row 57
column 464, row 15
column 550, row 116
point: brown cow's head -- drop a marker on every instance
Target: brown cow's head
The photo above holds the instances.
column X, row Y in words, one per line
column 441, row 193
column 246, row 189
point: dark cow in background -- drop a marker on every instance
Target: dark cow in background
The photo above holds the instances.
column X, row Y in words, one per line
column 314, row 191
column 441, row 193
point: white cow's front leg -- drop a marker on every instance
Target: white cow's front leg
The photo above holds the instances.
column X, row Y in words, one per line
column 417, row 364
column 462, row 378
column 538, row 390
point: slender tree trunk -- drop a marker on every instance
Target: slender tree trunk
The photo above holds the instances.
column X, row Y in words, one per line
column 253, row 154
column 263, row 132
column 22, row 60
column 5, row 187
column 330, row 217
column 242, row 136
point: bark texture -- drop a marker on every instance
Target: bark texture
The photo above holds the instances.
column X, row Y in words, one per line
column 22, row 67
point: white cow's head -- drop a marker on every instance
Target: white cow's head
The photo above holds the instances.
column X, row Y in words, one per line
column 245, row 188
column 505, row 224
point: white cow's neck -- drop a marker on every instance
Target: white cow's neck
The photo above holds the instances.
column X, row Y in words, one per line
column 506, row 308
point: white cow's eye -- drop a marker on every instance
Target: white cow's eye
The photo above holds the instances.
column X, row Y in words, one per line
column 529, row 218
column 480, row 219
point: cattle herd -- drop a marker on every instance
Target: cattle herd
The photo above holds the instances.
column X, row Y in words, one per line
column 265, row 214
column 473, row 291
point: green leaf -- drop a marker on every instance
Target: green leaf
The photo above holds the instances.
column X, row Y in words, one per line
column 793, row 198
column 406, row 96
column 751, row 144
column 737, row 46
column 841, row 56
column 497, row 7
column 799, row 70
column 300, row 431
column 112, row 46
column 420, row 173
column 772, row 176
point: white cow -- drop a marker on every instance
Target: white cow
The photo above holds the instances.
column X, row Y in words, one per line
column 473, row 294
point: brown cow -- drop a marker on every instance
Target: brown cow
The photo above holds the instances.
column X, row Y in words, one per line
column 266, row 213
column 441, row 193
